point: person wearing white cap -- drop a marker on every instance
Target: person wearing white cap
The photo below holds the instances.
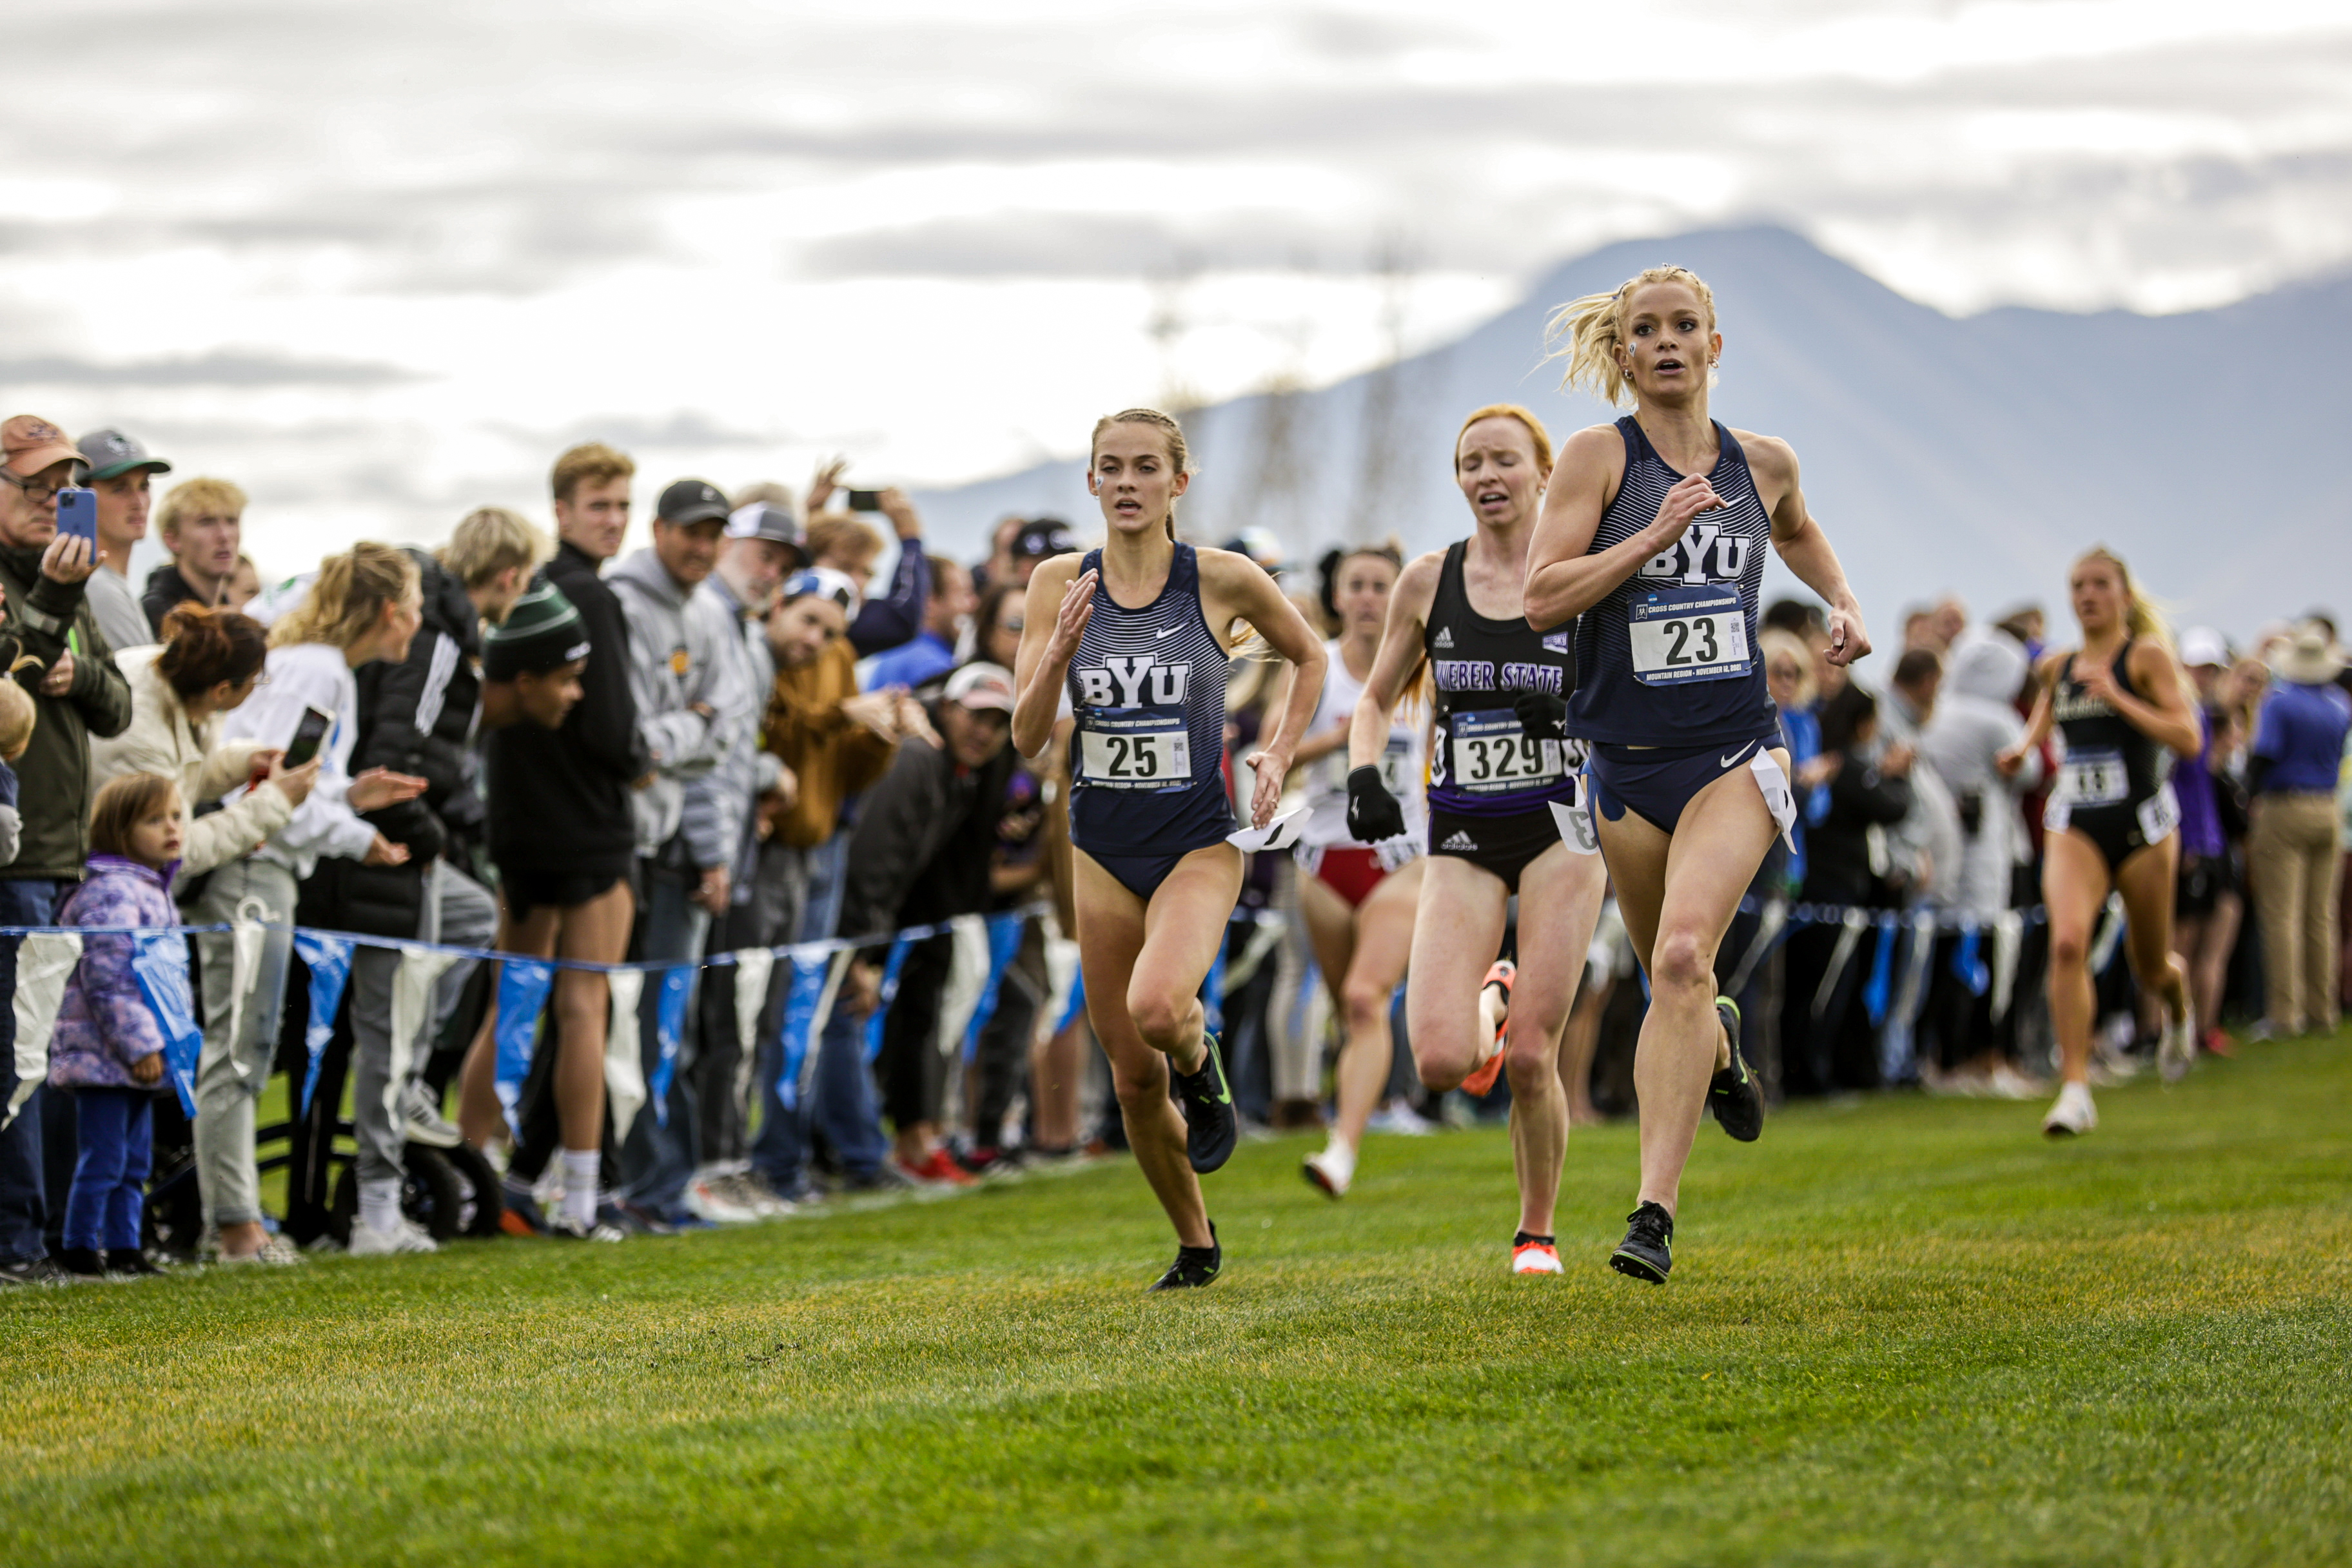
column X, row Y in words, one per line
column 2295, row 766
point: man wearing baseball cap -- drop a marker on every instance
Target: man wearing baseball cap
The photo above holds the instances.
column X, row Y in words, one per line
column 692, row 701
column 1040, row 539
column 76, row 692
column 921, row 852
column 119, row 470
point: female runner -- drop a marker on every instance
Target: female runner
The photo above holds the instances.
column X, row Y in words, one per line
column 1357, row 899
column 2120, row 703
column 1500, row 767
column 1139, row 631
column 1653, row 533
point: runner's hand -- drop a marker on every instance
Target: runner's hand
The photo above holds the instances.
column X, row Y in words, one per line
column 1541, row 715
column 1070, row 620
column 1689, row 497
column 1269, row 769
column 1848, row 641
column 1374, row 813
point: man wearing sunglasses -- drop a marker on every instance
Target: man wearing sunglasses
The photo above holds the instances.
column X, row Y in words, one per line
column 76, row 692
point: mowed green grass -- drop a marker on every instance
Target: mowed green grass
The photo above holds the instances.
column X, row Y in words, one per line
column 1899, row 1331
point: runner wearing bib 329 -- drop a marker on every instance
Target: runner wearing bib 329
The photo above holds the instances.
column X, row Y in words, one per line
column 1653, row 533
column 1504, row 816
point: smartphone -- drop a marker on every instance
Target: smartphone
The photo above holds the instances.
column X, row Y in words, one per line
column 308, row 735
column 865, row 500
column 78, row 512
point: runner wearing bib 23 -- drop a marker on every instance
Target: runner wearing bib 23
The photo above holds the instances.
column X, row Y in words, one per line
column 1653, row 533
column 2120, row 703
column 1137, row 632
column 1503, row 813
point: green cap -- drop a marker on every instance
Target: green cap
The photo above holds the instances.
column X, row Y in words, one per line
column 542, row 631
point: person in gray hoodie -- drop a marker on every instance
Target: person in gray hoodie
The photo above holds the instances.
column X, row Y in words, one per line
column 686, row 671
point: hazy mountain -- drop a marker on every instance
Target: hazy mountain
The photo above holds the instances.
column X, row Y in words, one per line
column 1976, row 454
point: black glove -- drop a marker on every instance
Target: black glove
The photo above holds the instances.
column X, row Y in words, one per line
column 1541, row 715
column 1374, row 813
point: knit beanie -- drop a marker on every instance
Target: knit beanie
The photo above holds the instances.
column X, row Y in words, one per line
column 541, row 632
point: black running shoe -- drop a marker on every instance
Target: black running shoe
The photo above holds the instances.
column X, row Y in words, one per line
column 1647, row 1253
column 1194, row 1266
column 1735, row 1092
column 1211, row 1128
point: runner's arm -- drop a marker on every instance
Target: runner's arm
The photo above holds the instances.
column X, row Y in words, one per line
column 1239, row 587
column 2164, row 715
column 1396, row 664
column 1047, row 646
column 1802, row 545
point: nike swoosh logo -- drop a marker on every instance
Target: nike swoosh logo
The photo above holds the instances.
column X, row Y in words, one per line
column 1735, row 756
column 1167, row 632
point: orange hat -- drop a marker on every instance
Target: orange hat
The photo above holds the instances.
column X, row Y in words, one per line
column 29, row 443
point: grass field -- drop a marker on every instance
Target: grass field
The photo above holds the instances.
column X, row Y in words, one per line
column 1899, row 1331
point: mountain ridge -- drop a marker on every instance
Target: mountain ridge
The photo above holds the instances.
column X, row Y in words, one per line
column 1976, row 454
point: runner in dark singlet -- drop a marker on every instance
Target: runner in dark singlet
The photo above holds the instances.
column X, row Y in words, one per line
column 1653, row 533
column 1136, row 633
column 2121, row 705
column 1504, row 812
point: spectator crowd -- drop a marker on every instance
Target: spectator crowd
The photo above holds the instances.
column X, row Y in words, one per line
column 784, row 720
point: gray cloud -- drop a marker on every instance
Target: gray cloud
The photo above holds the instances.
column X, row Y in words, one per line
column 221, row 368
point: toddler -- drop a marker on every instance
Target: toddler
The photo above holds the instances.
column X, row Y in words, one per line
column 108, row 1048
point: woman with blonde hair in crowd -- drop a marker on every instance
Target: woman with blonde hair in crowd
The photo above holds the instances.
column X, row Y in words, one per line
column 2121, row 702
column 1652, row 544
column 362, row 607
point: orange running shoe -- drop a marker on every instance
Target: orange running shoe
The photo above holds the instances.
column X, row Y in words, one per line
column 1494, row 1001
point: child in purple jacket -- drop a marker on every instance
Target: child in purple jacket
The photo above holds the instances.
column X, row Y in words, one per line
column 108, row 1047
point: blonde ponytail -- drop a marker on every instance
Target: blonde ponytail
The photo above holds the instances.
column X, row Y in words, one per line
column 347, row 599
column 1588, row 332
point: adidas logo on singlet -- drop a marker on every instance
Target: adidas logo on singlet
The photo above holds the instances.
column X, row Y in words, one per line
column 1444, row 638
column 1459, row 840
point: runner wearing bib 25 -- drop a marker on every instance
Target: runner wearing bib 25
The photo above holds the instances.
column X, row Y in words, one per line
column 1653, row 533
column 1504, row 816
column 1357, row 899
column 1136, row 633
column 2119, row 702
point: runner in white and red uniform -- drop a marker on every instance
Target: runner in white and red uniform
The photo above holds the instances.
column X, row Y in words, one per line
column 1357, row 899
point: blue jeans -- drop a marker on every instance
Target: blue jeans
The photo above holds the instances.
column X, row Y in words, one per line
column 116, row 1130
column 827, row 867
column 840, row 1103
column 658, row 1159
column 24, row 1210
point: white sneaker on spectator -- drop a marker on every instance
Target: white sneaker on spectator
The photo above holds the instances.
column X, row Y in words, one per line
column 707, row 1198
column 2073, row 1114
column 424, row 1123
column 750, row 1189
column 405, row 1236
column 274, row 1252
column 1397, row 1116
column 2008, row 1083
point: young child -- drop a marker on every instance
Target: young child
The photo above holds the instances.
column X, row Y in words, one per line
column 108, row 1048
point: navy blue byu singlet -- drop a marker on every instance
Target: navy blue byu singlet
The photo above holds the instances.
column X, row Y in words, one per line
column 1669, row 657
column 1148, row 687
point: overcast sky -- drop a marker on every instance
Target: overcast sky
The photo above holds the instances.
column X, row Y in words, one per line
column 379, row 263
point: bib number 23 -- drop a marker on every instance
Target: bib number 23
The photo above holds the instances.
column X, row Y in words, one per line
column 1688, row 634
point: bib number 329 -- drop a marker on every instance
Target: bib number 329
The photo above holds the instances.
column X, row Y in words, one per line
column 1680, row 635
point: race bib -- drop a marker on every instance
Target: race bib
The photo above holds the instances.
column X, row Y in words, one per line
column 1492, row 756
column 1149, row 752
column 2160, row 814
column 1680, row 635
column 2094, row 778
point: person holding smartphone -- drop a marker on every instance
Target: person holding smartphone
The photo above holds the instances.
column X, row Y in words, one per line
column 364, row 605
column 849, row 543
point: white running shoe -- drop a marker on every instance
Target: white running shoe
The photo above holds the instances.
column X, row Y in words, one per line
column 1332, row 1171
column 422, row 1121
column 2008, row 1083
column 708, row 1199
column 1398, row 1116
column 405, row 1236
column 2177, row 1052
column 748, row 1189
column 1535, row 1257
column 2073, row 1114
